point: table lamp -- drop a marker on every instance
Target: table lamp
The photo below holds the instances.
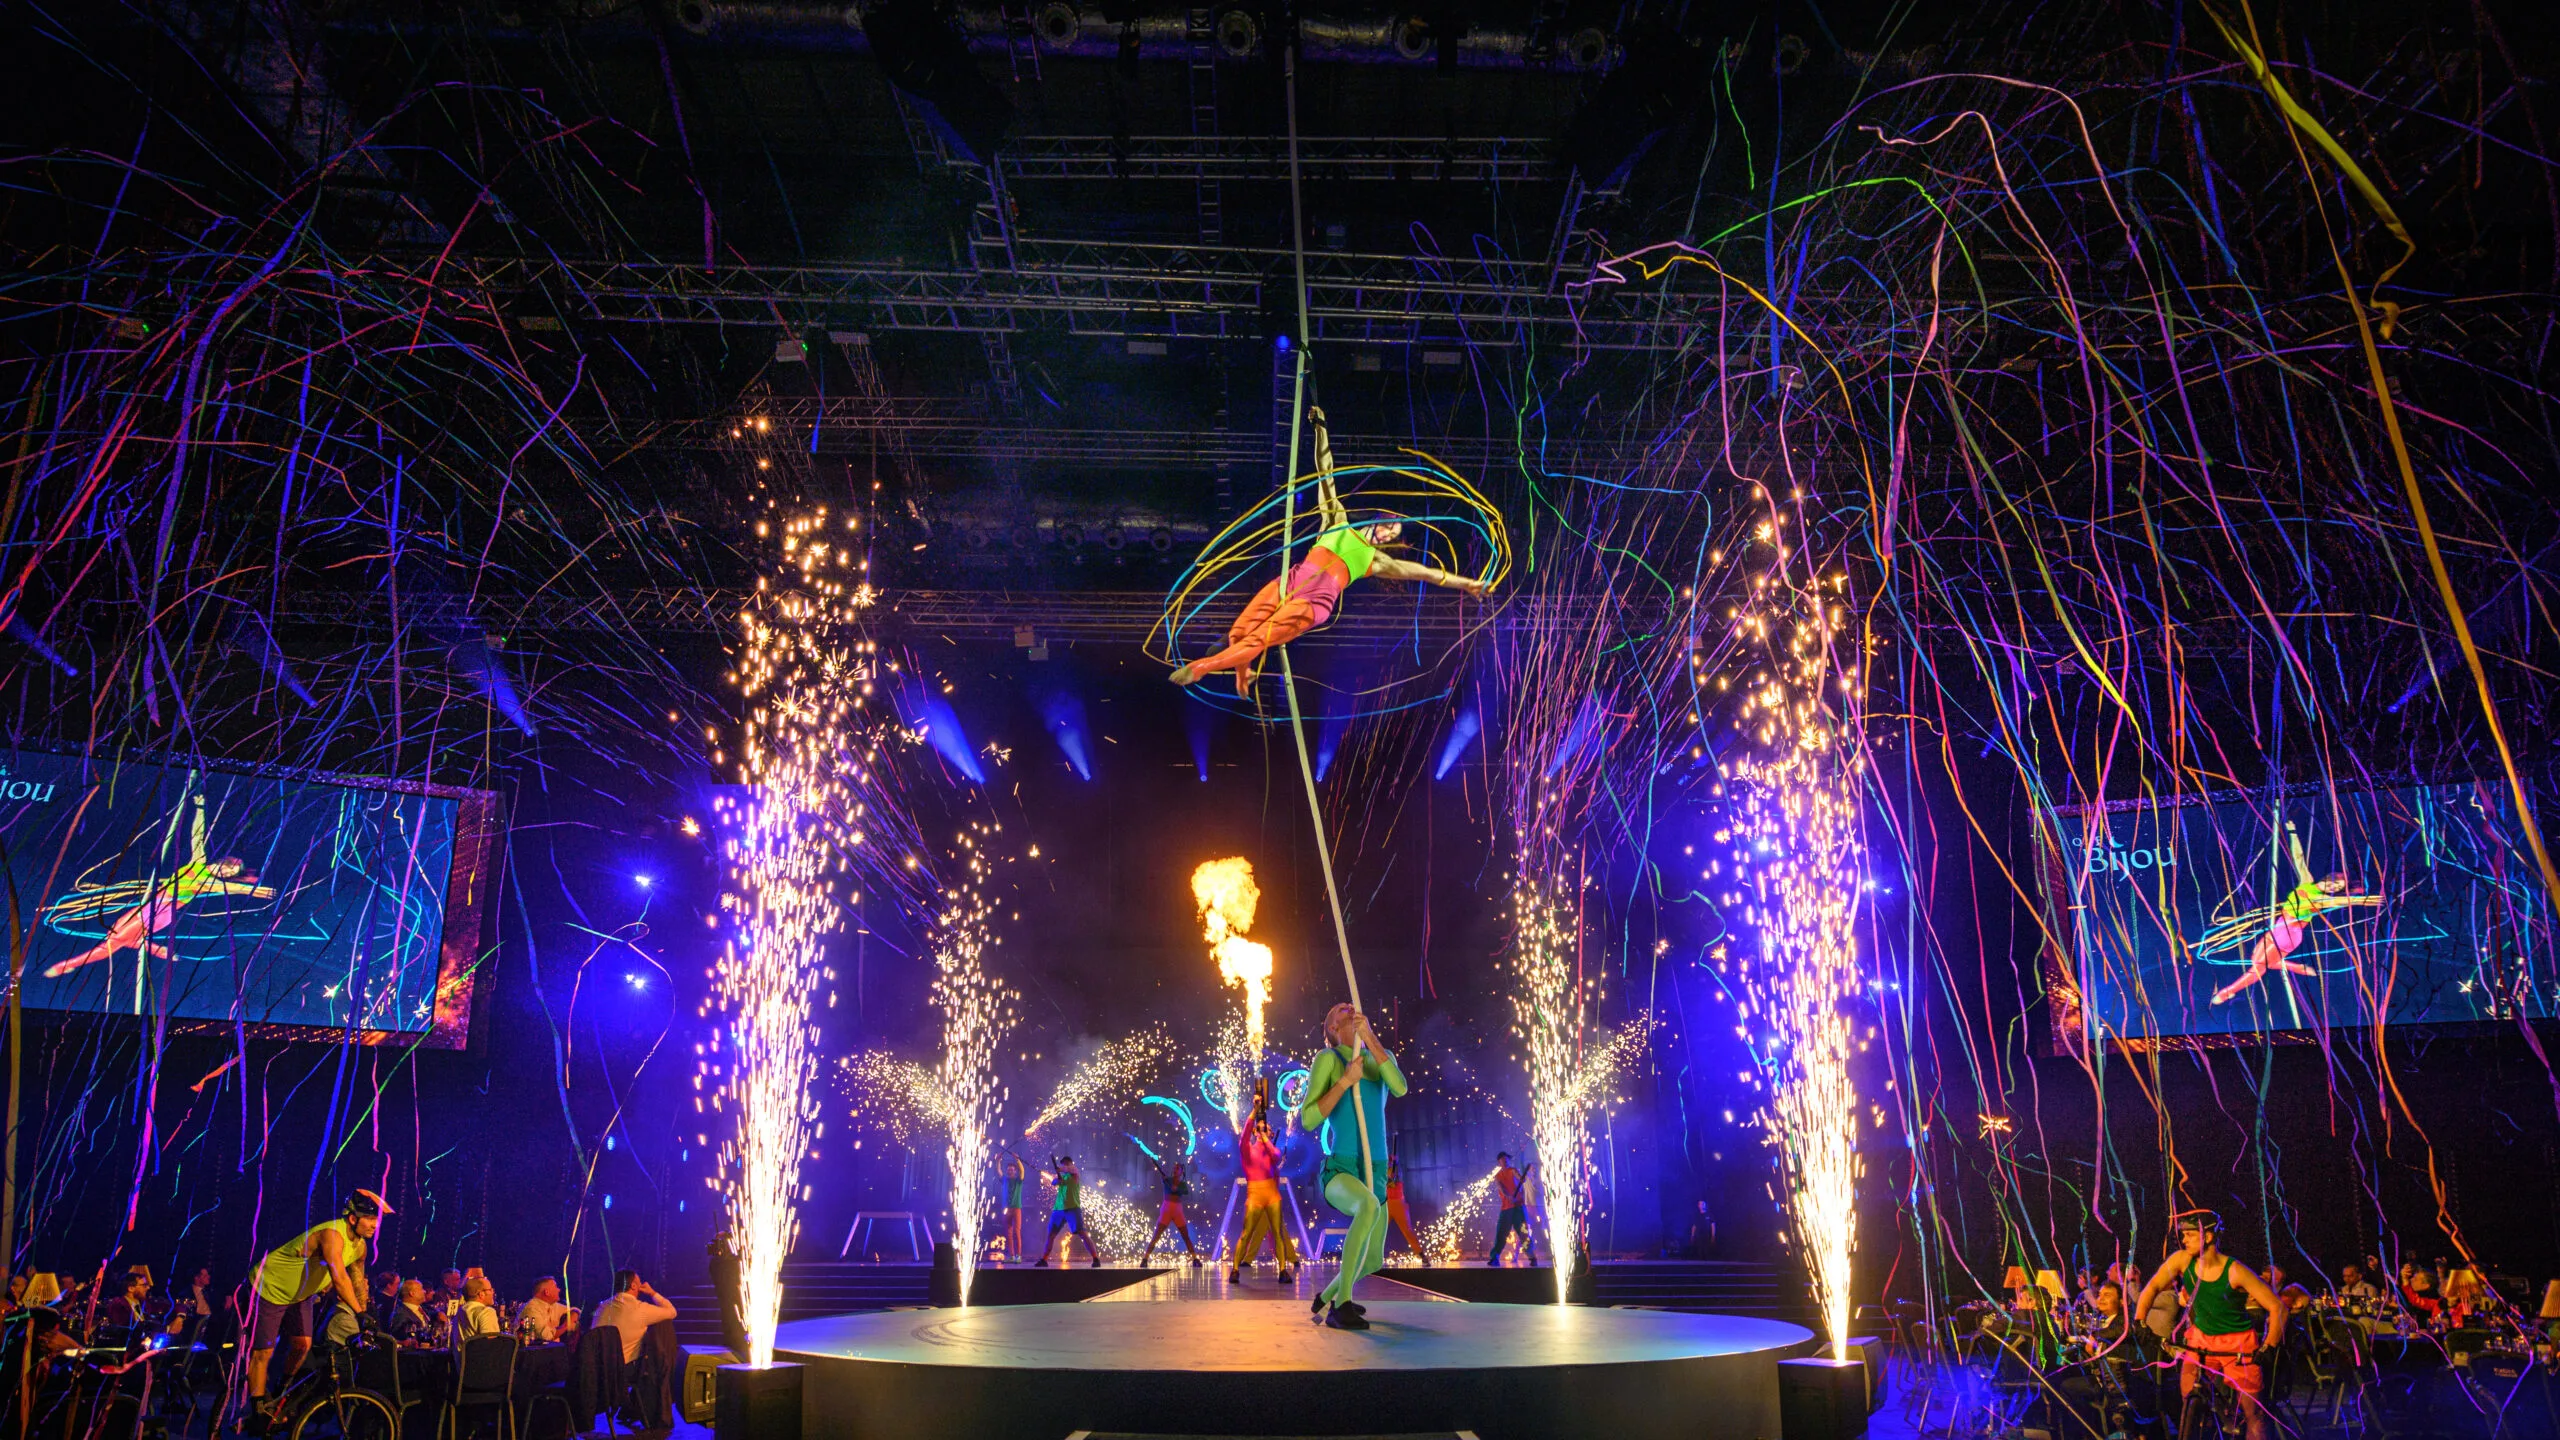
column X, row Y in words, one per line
column 2051, row 1280
column 2551, row 1302
column 2015, row 1280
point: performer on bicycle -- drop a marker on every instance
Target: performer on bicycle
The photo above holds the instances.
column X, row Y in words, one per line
column 2218, row 1331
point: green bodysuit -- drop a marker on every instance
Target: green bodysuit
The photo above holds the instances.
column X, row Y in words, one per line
column 1364, row 1244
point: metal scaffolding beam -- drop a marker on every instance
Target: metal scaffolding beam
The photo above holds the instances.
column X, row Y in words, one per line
column 944, row 427
column 1208, row 157
column 1109, row 289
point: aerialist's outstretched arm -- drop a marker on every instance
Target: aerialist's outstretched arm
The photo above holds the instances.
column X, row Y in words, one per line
column 1388, row 567
column 1328, row 501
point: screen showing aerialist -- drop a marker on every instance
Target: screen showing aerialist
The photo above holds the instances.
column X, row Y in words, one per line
column 2235, row 914
column 206, row 896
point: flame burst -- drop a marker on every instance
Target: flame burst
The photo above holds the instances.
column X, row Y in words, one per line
column 1800, row 848
column 1227, row 896
column 789, row 840
column 978, row 1012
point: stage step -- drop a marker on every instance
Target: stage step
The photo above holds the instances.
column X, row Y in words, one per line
column 1721, row 1287
column 810, row 1288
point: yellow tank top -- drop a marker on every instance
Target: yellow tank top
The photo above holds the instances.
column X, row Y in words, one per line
column 294, row 1272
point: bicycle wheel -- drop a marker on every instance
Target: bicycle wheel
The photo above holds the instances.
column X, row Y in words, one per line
column 347, row 1415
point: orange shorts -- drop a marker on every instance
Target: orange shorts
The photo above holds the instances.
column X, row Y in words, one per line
column 2234, row 1357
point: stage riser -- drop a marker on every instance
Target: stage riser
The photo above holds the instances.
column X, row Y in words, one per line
column 1504, row 1372
column 1714, row 1398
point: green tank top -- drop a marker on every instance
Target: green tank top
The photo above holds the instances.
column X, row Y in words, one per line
column 1352, row 548
column 2303, row 903
column 2219, row 1308
column 293, row 1272
column 1070, row 1194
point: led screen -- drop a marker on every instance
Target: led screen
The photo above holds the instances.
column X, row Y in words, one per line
column 289, row 904
column 2239, row 913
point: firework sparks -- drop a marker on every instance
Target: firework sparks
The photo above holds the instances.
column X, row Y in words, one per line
column 1798, row 839
column 1227, row 896
column 897, row 1096
column 789, row 841
column 1445, row 1239
column 1547, row 1013
column 978, row 1012
column 1106, row 1079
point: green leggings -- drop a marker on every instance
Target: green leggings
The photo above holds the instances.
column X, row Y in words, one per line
column 1364, row 1245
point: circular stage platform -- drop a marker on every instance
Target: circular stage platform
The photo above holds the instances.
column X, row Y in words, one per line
column 1505, row 1372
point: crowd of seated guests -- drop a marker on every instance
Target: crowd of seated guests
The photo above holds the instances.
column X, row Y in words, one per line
column 463, row 1306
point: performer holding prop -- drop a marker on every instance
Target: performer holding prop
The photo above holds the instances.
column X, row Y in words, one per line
column 1355, row 1067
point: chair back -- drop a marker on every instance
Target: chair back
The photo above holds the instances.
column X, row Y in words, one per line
column 595, row 1374
column 484, row 1371
column 378, row 1369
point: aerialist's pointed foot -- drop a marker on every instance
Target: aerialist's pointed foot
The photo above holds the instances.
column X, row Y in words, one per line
column 1185, row 676
column 60, row 968
column 1340, row 1317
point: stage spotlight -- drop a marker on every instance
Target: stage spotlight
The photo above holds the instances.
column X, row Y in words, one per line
column 1062, row 715
column 643, row 881
column 638, row 982
column 1664, row 79
column 1578, row 737
column 927, row 58
column 931, row 716
column 1462, row 732
column 1200, row 723
column 1329, row 736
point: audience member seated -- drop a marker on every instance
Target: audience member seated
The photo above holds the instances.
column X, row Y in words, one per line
column 2352, row 1284
column 412, row 1321
column 544, row 1319
column 386, row 1294
column 475, row 1318
column 632, row 1310
column 129, row 1308
column 2418, row 1292
column 449, row 1294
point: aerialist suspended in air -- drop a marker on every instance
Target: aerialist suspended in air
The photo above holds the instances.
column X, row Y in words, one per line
column 1342, row 553
column 2290, row 919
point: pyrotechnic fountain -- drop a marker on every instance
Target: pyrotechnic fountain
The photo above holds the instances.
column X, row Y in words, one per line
column 977, row 1014
column 786, row 846
column 1801, row 859
column 1227, row 896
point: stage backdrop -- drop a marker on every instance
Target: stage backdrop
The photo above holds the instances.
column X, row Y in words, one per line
column 292, row 904
column 2415, row 905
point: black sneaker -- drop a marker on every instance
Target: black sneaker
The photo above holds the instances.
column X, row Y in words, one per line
column 1040, row 1264
column 1235, row 1277
column 1341, row 1317
column 1358, row 1310
column 1287, row 1275
column 1315, row 1308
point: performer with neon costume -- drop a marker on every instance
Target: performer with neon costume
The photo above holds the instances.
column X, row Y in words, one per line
column 1343, row 553
column 161, row 901
column 2289, row 921
column 1354, row 1067
column 1260, row 1156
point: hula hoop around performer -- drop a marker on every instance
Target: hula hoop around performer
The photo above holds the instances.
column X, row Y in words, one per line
column 1355, row 1066
column 1342, row 554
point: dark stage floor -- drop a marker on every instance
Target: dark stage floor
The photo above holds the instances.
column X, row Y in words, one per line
column 1213, row 1366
